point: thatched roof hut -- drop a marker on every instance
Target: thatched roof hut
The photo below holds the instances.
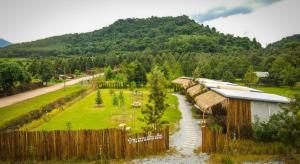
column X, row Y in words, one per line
column 184, row 82
column 196, row 90
column 207, row 100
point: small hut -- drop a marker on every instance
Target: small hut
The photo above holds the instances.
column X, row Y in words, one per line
column 262, row 77
column 194, row 91
column 235, row 110
column 183, row 83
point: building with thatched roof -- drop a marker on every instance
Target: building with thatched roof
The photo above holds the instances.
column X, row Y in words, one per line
column 184, row 82
column 196, row 90
column 234, row 106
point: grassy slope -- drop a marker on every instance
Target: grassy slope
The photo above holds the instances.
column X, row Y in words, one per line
column 12, row 111
column 283, row 91
column 84, row 114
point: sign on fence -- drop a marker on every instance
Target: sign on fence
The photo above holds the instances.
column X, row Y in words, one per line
column 83, row 144
column 158, row 136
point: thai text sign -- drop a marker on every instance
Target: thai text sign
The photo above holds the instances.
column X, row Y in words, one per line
column 157, row 136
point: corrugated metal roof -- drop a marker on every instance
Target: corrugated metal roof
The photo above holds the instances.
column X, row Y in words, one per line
column 210, row 81
column 262, row 74
column 256, row 96
column 224, row 85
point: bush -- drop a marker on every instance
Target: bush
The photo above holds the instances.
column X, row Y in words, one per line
column 266, row 131
column 283, row 127
column 226, row 160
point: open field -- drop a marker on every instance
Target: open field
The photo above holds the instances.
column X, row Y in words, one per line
column 84, row 114
column 12, row 111
column 283, row 91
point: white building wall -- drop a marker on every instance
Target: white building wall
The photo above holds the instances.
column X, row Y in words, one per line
column 264, row 110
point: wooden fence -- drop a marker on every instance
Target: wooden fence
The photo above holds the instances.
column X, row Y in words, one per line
column 118, row 85
column 213, row 140
column 83, row 144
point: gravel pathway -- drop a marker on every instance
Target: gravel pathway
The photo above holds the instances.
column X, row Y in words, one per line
column 9, row 100
column 185, row 140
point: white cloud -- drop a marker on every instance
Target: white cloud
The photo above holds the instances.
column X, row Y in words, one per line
column 223, row 11
column 267, row 24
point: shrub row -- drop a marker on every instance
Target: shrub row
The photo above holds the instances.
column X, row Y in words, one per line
column 23, row 88
column 38, row 113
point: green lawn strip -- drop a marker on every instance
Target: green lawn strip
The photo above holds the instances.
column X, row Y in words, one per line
column 283, row 91
column 21, row 108
column 85, row 115
column 37, row 122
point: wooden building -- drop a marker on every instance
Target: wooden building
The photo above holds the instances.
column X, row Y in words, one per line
column 232, row 106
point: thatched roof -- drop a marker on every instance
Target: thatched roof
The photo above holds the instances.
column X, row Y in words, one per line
column 196, row 89
column 185, row 82
column 208, row 99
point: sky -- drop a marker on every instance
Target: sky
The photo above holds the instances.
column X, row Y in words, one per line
column 266, row 20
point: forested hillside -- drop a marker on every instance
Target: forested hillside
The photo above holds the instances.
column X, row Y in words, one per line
column 167, row 34
column 288, row 44
column 177, row 45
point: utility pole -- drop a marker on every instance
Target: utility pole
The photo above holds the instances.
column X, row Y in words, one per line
column 65, row 77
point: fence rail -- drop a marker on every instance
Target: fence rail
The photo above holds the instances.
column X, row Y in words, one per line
column 83, row 144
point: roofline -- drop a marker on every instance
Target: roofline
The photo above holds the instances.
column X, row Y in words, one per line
column 251, row 99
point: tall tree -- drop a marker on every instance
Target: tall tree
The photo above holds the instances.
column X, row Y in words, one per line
column 108, row 73
column 46, row 71
column 156, row 105
column 276, row 69
column 289, row 76
column 250, row 76
column 196, row 73
column 228, row 76
column 136, row 72
column 10, row 75
column 121, row 99
column 115, row 100
column 98, row 98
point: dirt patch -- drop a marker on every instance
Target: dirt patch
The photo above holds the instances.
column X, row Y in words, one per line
column 121, row 118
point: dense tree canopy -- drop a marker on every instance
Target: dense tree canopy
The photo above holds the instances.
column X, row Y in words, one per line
column 177, row 45
column 156, row 106
column 167, row 34
column 10, row 75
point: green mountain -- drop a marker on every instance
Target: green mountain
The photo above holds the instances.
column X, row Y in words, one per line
column 4, row 43
column 166, row 34
column 287, row 44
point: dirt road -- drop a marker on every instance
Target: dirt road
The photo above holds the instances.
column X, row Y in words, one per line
column 5, row 101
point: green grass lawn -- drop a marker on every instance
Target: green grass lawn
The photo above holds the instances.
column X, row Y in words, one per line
column 12, row 111
column 84, row 114
column 283, row 91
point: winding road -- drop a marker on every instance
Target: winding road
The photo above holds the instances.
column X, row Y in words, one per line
column 188, row 137
column 185, row 140
column 9, row 100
